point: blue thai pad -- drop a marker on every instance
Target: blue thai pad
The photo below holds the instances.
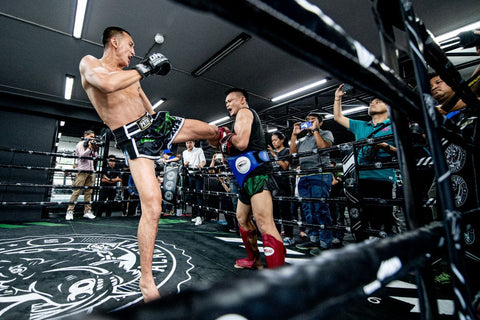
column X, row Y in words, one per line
column 245, row 163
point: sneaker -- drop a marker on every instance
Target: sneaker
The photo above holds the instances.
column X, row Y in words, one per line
column 316, row 252
column 336, row 241
column 303, row 234
column 307, row 245
column 198, row 221
column 69, row 216
column 89, row 215
column 288, row 241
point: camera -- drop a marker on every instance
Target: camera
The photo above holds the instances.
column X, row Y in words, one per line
column 306, row 125
column 94, row 141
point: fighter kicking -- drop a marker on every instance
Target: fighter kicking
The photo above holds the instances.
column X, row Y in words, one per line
column 141, row 133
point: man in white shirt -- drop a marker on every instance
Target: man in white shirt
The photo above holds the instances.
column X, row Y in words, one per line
column 194, row 158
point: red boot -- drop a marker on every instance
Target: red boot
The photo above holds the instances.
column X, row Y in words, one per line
column 250, row 241
column 274, row 251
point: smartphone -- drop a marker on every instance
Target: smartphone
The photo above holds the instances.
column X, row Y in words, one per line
column 348, row 88
column 306, row 125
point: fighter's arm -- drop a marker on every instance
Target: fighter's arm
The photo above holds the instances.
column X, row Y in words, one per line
column 146, row 103
column 337, row 108
column 243, row 129
column 96, row 75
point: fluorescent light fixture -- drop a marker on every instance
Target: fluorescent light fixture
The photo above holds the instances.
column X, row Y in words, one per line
column 69, row 79
column 159, row 102
column 220, row 120
column 302, row 89
column 349, row 111
column 234, row 44
column 455, row 32
column 79, row 18
column 271, row 129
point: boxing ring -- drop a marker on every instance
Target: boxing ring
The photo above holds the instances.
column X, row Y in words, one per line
column 293, row 292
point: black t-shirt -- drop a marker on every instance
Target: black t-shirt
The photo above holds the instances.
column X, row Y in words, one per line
column 111, row 173
column 460, row 162
column 283, row 181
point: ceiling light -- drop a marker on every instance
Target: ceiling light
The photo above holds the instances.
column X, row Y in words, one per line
column 159, row 102
column 455, row 32
column 220, row 120
column 234, row 44
column 79, row 18
column 62, row 123
column 271, row 129
column 348, row 111
column 69, row 79
column 302, row 89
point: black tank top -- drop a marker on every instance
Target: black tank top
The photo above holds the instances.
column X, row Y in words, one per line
column 256, row 143
column 257, row 137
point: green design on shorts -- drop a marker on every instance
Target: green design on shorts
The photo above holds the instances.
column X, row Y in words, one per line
column 254, row 185
column 166, row 125
column 143, row 140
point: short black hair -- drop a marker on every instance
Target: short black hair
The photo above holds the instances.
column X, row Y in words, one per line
column 319, row 116
column 110, row 32
column 241, row 90
column 280, row 135
column 87, row 132
column 432, row 74
column 112, row 156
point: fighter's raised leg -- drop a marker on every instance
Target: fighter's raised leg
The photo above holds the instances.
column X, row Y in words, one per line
column 197, row 130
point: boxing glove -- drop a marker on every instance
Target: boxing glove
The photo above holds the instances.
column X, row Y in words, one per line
column 225, row 140
column 156, row 63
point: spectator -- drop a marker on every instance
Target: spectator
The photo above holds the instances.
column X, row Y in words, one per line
column 133, row 197
column 377, row 183
column 85, row 177
column 110, row 178
column 194, row 158
column 459, row 159
column 223, row 185
column 282, row 209
column 316, row 185
column 338, row 207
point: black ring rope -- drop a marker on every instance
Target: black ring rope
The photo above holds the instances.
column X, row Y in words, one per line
column 343, row 57
column 61, row 186
column 57, row 154
column 64, row 203
column 365, row 231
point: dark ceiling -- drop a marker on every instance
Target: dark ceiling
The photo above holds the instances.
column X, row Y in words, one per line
column 38, row 50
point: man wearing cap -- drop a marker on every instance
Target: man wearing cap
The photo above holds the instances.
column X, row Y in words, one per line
column 314, row 185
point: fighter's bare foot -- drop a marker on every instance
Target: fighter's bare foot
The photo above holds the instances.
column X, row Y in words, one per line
column 149, row 290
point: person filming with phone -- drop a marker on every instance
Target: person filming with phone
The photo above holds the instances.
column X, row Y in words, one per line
column 316, row 184
column 377, row 183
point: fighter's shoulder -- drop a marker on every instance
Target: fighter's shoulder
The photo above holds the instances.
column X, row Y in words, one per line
column 89, row 60
column 245, row 112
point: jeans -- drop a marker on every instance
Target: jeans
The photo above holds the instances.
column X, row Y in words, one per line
column 317, row 186
column 196, row 183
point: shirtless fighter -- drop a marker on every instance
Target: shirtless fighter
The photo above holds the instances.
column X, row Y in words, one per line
column 141, row 133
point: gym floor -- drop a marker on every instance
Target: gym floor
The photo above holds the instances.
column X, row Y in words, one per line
column 57, row 269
